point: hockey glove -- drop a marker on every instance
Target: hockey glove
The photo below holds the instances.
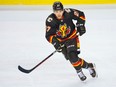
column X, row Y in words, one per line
column 57, row 44
column 81, row 29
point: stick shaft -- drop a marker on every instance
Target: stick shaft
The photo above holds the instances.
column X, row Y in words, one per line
column 28, row 71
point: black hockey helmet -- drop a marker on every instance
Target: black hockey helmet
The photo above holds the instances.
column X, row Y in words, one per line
column 57, row 6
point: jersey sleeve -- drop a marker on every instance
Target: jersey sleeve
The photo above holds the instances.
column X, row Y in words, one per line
column 50, row 29
column 76, row 15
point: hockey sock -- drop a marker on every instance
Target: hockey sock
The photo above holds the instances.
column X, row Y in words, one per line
column 84, row 64
column 77, row 65
column 75, row 60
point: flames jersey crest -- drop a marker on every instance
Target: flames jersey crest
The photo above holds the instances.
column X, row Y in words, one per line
column 63, row 30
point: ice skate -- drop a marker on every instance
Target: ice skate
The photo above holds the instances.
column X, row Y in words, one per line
column 91, row 68
column 81, row 75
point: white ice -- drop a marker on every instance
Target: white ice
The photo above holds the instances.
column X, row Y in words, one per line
column 22, row 42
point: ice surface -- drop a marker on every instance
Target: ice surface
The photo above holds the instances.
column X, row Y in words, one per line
column 22, row 42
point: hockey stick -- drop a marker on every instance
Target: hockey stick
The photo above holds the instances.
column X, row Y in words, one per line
column 30, row 70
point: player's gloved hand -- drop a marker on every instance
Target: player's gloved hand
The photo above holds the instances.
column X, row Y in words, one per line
column 57, row 44
column 81, row 29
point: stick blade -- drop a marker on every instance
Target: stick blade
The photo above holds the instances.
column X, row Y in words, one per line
column 24, row 70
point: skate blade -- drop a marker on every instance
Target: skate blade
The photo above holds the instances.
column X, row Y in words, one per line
column 94, row 65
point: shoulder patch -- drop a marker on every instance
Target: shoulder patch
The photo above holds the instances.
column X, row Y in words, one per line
column 76, row 13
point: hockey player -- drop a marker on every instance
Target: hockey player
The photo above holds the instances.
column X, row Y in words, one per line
column 62, row 33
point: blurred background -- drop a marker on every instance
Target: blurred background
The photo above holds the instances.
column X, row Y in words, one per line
column 22, row 42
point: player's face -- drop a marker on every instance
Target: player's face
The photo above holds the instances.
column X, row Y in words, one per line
column 59, row 14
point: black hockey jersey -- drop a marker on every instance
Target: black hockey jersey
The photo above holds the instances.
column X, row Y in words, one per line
column 64, row 28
